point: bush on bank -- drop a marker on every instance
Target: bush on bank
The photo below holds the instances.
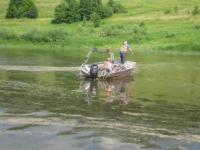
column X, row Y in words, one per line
column 21, row 9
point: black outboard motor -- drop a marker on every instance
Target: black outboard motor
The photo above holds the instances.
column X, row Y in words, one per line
column 94, row 71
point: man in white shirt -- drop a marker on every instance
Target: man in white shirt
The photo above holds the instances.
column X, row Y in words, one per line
column 123, row 50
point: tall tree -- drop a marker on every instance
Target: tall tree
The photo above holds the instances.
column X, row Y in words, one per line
column 12, row 10
column 71, row 14
column 87, row 7
column 21, row 9
column 67, row 12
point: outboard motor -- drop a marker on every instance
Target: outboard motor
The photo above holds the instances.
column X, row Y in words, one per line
column 94, row 71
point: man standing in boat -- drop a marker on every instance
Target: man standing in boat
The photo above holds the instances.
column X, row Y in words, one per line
column 123, row 50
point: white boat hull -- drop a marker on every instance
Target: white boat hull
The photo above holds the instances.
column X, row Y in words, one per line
column 118, row 70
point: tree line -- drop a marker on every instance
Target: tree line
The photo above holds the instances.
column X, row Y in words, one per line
column 68, row 11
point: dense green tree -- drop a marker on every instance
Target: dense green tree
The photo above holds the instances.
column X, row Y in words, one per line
column 11, row 11
column 59, row 15
column 29, row 9
column 88, row 7
column 70, row 11
column 196, row 10
column 21, row 9
column 117, row 8
column 67, row 12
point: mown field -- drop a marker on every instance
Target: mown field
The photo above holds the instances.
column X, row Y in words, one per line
column 149, row 25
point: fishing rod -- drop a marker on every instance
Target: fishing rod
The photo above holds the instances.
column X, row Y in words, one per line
column 89, row 55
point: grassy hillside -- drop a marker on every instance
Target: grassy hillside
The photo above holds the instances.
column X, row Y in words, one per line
column 149, row 25
column 45, row 7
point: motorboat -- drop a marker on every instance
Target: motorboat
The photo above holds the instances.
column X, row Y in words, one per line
column 96, row 71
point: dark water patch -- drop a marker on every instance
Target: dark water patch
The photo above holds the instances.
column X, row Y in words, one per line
column 145, row 99
column 165, row 132
column 87, row 134
column 21, row 127
column 64, row 133
column 159, row 95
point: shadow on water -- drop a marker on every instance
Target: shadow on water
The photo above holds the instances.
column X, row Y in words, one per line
column 21, row 127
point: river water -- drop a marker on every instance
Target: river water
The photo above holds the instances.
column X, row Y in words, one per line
column 157, row 108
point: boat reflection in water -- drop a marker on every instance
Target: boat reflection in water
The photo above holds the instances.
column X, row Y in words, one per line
column 110, row 91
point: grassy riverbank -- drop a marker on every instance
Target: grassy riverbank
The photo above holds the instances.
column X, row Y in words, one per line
column 158, row 25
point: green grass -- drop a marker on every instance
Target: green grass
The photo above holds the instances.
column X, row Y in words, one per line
column 169, row 32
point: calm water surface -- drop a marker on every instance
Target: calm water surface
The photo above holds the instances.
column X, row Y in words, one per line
column 157, row 108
